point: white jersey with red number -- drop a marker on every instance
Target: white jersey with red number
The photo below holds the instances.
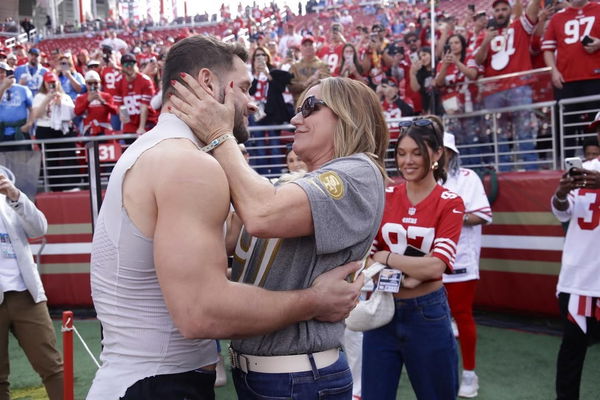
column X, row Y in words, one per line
column 109, row 76
column 468, row 186
column 564, row 34
column 133, row 94
column 432, row 226
column 508, row 52
column 331, row 55
column 580, row 269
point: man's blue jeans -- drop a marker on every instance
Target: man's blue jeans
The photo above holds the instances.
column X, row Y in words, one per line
column 522, row 125
column 420, row 337
column 332, row 383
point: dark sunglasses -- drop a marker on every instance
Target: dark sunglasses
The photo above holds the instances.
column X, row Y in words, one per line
column 310, row 105
column 421, row 123
column 129, row 63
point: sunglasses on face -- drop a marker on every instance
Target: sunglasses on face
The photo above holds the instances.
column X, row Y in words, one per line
column 128, row 64
column 411, row 41
column 310, row 105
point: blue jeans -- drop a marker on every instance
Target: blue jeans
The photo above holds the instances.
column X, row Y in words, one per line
column 522, row 131
column 332, row 383
column 420, row 337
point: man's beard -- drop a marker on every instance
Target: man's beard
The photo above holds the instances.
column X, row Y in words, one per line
column 240, row 131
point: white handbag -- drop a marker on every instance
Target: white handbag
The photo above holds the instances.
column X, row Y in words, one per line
column 375, row 312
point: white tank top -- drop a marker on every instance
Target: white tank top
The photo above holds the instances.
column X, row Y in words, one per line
column 140, row 338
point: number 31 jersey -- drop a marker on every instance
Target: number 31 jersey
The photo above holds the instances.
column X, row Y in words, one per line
column 432, row 226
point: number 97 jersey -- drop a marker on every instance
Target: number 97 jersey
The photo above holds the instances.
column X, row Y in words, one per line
column 432, row 226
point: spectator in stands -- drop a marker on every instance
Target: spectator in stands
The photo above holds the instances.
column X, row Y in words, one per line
column 591, row 149
column 293, row 162
column 27, row 25
column 23, row 309
column 291, row 38
column 576, row 65
column 11, row 60
column 134, row 91
column 461, row 283
column 82, row 60
column 52, row 114
column 393, row 106
column 372, row 61
column 422, row 214
column 331, row 52
column 480, row 21
column 576, row 201
column 349, row 66
column 421, row 81
column 22, row 57
column 411, row 55
column 31, row 74
column 72, row 82
column 116, row 44
column 504, row 49
column 308, row 70
column 15, row 106
column 96, row 105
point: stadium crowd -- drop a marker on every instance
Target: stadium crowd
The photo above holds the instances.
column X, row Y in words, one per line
column 110, row 83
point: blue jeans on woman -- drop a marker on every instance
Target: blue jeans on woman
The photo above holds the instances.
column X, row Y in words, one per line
column 420, row 337
column 332, row 383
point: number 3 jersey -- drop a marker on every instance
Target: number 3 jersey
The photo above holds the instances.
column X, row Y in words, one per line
column 580, row 269
column 564, row 34
column 432, row 226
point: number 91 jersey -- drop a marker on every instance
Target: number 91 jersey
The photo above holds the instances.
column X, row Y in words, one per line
column 432, row 226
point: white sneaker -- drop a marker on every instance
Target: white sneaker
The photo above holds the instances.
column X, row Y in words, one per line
column 454, row 328
column 221, row 379
column 469, row 385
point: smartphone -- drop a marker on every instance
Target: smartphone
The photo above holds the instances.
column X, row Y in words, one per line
column 471, row 7
column 446, row 48
column 573, row 162
column 413, row 251
column 491, row 23
column 10, row 72
column 586, row 40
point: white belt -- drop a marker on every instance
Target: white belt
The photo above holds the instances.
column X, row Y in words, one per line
column 282, row 364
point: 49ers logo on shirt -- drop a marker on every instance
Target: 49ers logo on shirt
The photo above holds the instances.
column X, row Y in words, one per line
column 333, row 184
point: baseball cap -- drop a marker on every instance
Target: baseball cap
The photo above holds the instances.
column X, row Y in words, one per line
column 93, row 63
column 34, row 50
column 307, row 38
column 50, row 77
column 92, row 76
column 128, row 58
column 389, row 81
column 595, row 123
column 500, row 1
column 5, row 66
column 11, row 55
column 450, row 142
column 2, row 54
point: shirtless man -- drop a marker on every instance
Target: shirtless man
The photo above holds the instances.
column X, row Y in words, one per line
column 158, row 268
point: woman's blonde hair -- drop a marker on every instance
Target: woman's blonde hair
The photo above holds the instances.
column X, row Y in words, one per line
column 361, row 126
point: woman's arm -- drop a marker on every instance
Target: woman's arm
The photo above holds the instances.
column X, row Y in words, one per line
column 420, row 268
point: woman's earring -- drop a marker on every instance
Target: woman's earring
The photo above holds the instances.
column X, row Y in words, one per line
column 435, row 165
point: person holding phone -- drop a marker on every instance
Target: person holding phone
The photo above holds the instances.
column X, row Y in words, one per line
column 577, row 201
column 573, row 56
column 15, row 109
column 419, row 213
column 349, row 66
column 96, row 105
column 72, row 82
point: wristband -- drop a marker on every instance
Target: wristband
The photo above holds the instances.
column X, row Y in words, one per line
column 217, row 142
column 561, row 201
column 387, row 259
column 466, row 218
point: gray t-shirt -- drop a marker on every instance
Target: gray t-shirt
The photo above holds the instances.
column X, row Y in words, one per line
column 346, row 199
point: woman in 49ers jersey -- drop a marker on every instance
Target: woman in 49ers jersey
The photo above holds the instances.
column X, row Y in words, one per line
column 420, row 217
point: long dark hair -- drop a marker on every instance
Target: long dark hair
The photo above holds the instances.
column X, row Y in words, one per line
column 268, row 62
column 354, row 58
column 463, row 43
column 427, row 137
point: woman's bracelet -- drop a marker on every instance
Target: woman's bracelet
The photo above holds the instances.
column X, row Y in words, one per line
column 387, row 259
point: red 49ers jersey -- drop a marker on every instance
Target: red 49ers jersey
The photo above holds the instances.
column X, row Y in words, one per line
column 564, row 34
column 332, row 56
column 133, row 94
column 509, row 51
column 433, row 225
column 109, row 76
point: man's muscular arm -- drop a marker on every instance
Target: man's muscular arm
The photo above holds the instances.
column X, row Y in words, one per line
column 192, row 199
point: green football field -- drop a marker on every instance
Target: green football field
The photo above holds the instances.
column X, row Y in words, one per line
column 512, row 363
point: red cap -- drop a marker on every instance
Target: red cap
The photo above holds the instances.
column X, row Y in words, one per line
column 307, row 38
column 500, row 1
column 592, row 127
column 50, row 77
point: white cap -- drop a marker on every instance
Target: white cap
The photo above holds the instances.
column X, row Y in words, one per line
column 92, row 76
column 450, row 142
column 11, row 55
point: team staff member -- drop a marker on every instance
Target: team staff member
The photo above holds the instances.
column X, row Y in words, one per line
column 577, row 201
column 23, row 308
column 158, row 253
column 462, row 282
column 422, row 214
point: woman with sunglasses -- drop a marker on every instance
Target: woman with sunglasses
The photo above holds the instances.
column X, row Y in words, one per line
column 298, row 230
column 418, row 235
